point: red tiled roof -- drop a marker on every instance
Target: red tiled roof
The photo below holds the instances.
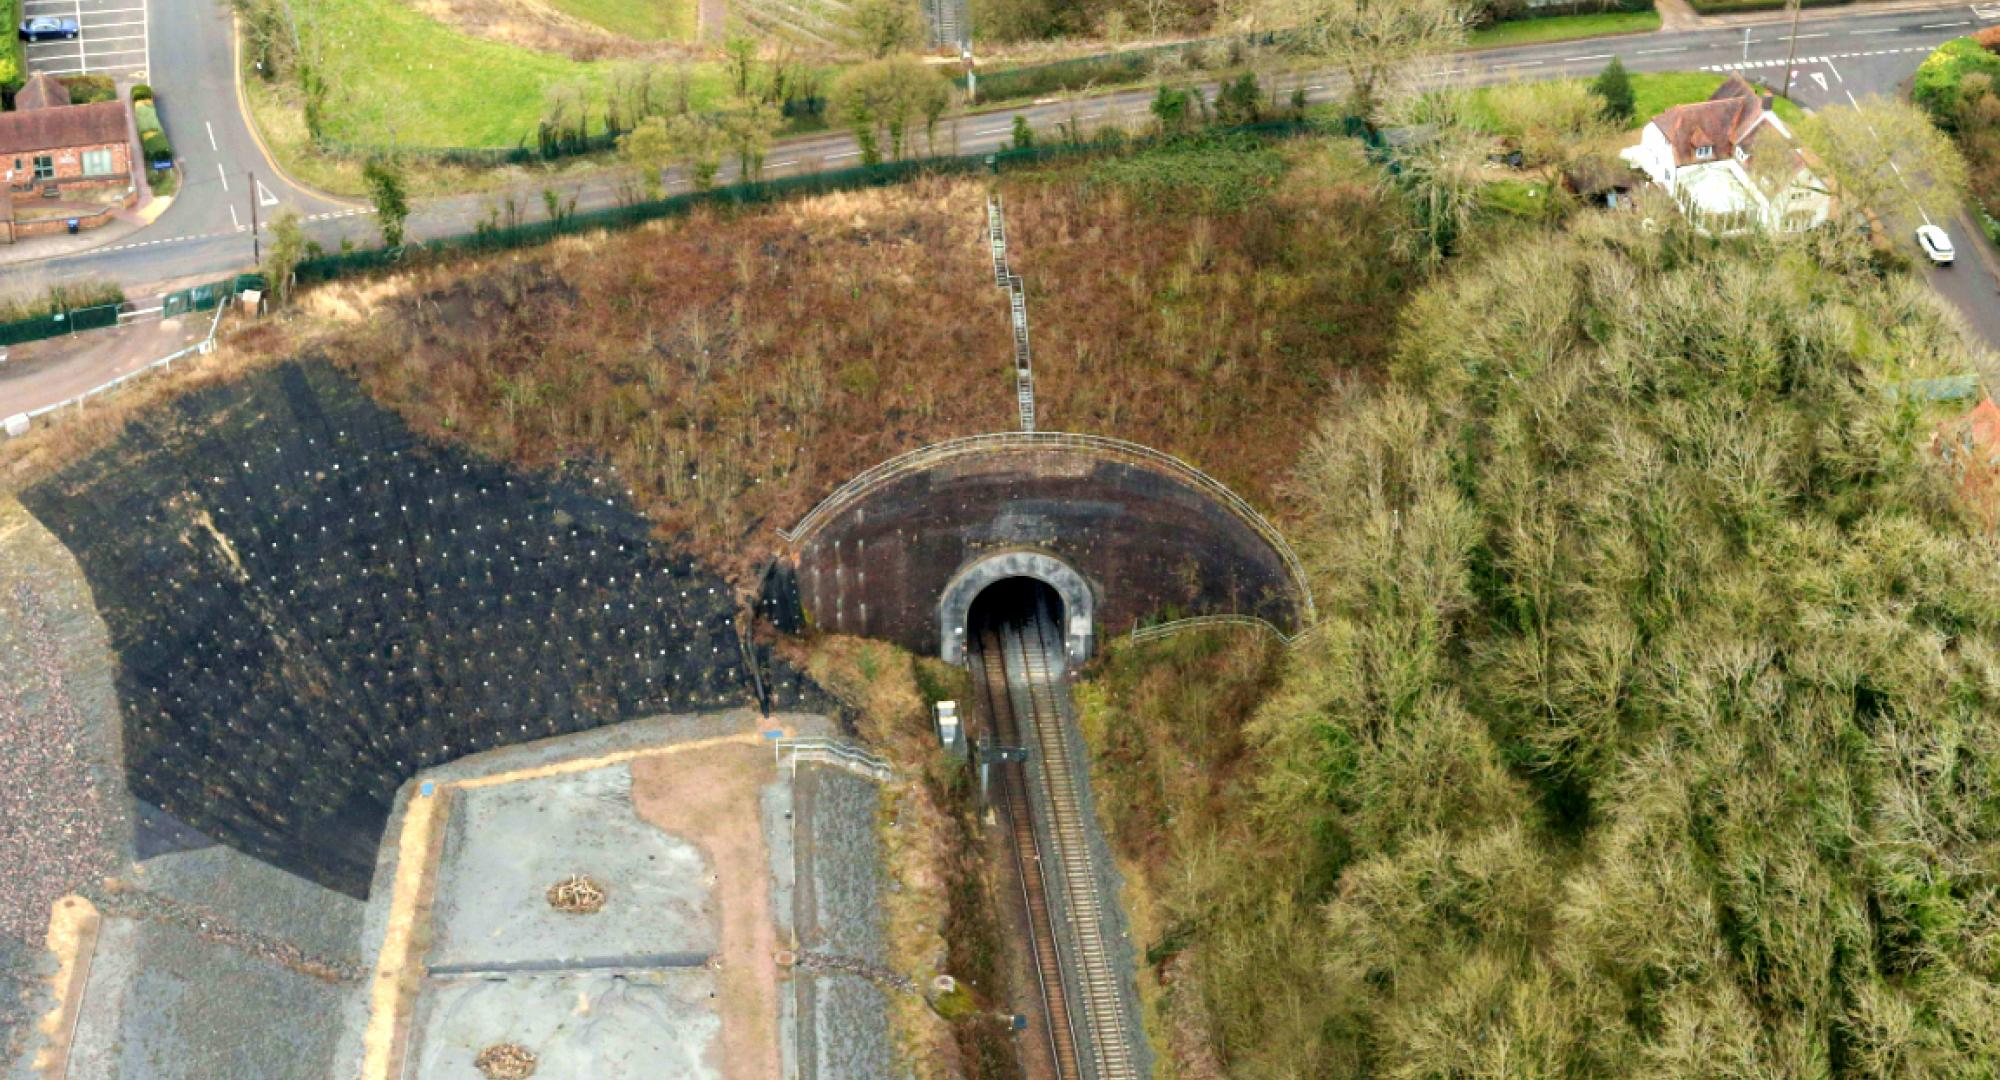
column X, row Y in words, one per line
column 62, row 127
column 1719, row 123
column 41, row 92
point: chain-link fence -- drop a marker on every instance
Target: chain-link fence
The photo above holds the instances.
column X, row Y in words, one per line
column 498, row 238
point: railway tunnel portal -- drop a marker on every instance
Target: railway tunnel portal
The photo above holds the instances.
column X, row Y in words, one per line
column 1122, row 534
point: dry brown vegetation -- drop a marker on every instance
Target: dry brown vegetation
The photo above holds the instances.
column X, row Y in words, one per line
column 734, row 368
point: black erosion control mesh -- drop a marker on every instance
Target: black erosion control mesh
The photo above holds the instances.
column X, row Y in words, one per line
column 309, row 604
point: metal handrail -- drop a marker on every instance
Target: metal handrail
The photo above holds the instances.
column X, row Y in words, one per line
column 205, row 345
column 1024, row 441
column 1198, row 622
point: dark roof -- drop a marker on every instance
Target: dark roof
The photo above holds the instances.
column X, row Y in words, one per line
column 1721, row 122
column 62, row 126
column 1595, row 175
column 42, row 91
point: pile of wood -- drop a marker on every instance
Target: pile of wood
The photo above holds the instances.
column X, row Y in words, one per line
column 577, row 895
column 505, row 1061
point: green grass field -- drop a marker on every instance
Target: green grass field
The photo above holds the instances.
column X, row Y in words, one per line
column 398, row 77
column 1563, row 28
column 1652, row 94
column 647, row 20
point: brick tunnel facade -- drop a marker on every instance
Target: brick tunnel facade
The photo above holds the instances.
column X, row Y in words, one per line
column 1126, row 535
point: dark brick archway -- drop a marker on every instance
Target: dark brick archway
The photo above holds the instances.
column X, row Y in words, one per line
column 1144, row 537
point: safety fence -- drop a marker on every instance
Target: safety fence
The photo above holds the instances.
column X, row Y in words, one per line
column 214, row 296
column 838, row 753
column 484, row 238
column 63, row 320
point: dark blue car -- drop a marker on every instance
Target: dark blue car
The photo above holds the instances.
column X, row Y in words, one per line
column 48, row 28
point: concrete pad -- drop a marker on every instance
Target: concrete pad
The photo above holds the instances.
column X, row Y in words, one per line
column 599, row 1026
column 506, row 844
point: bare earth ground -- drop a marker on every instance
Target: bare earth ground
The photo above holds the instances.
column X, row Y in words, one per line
column 534, row 25
column 709, row 797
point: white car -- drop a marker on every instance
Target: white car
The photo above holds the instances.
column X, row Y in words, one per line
column 1936, row 245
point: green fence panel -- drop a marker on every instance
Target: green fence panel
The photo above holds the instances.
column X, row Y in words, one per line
column 499, row 238
column 58, row 323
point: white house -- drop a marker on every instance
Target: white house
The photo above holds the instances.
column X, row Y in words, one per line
column 1731, row 164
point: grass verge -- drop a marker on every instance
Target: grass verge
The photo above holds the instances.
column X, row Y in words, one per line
column 1652, row 94
column 647, row 20
column 399, row 78
column 1564, row 28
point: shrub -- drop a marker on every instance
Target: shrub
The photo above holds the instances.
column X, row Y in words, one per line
column 1942, row 74
column 142, row 92
column 156, row 147
column 69, row 297
column 88, row 89
column 147, row 118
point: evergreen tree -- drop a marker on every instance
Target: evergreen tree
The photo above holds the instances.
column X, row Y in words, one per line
column 1615, row 87
column 392, row 203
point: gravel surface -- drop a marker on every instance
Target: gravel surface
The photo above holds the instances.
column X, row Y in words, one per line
column 222, row 887
column 850, row 1029
column 846, row 865
column 53, row 839
column 167, row 1003
column 61, row 792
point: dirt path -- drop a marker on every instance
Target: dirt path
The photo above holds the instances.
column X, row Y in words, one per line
column 709, row 798
column 711, row 23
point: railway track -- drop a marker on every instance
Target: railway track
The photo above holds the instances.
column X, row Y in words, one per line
column 1020, row 665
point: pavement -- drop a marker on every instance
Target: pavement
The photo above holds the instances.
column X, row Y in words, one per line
column 205, row 230
column 56, row 369
column 1855, row 50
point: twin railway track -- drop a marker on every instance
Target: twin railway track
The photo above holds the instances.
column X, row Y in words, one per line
column 1019, row 665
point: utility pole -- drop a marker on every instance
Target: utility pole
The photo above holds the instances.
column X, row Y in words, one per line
column 256, row 242
column 1792, row 51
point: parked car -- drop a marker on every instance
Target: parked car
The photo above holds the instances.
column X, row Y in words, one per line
column 48, row 28
column 1936, row 245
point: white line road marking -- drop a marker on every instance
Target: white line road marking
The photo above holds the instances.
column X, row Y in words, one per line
column 1802, row 37
column 264, row 196
column 233, row 219
column 1581, row 59
column 1944, row 25
column 211, row 136
column 1890, row 30
column 1521, row 64
column 224, row 173
column 837, row 157
column 1836, row 72
column 1820, row 79
column 994, row 131
column 1317, row 86
column 1649, row 52
column 774, row 164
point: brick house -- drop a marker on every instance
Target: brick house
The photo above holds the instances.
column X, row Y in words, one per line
column 49, row 143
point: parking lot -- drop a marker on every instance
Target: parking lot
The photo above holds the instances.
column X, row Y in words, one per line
column 112, row 39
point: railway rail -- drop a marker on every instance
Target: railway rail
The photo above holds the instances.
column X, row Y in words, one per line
column 1019, row 668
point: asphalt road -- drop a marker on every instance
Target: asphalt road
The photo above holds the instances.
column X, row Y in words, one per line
column 1841, row 52
column 205, row 231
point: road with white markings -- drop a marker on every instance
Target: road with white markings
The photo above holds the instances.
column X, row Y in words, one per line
column 1842, row 53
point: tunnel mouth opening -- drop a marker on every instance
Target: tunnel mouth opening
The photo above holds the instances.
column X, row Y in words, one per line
column 1014, row 602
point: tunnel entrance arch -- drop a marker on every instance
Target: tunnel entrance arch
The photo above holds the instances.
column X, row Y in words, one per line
column 1079, row 605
